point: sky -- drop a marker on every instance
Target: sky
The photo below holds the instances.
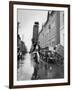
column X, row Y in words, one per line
column 26, row 18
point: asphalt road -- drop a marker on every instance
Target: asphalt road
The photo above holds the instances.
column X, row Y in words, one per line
column 29, row 70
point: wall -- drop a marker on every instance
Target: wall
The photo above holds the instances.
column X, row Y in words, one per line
column 4, row 45
column 62, row 28
column 35, row 32
column 50, row 30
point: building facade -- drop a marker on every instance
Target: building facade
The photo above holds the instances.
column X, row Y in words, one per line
column 50, row 33
column 35, row 36
column 62, row 28
column 35, row 32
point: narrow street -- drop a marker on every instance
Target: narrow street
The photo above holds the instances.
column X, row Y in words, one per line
column 40, row 45
column 26, row 68
column 43, row 70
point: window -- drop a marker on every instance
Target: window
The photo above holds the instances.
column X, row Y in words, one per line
column 49, row 27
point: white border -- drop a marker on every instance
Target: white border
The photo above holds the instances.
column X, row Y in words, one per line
column 15, row 82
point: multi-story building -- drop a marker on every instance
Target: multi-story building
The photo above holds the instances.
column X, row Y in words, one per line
column 50, row 33
column 62, row 28
column 35, row 36
column 35, row 32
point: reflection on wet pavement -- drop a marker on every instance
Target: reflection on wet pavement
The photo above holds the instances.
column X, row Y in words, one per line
column 29, row 70
column 26, row 69
column 50, row 71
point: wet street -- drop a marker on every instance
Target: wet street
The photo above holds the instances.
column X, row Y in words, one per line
column 29, row 70
column 25, row 69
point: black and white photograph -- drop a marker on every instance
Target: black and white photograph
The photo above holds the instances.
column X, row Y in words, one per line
column 40, row 44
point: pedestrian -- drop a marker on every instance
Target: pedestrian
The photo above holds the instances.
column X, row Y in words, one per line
column 35, row 72
column 36, row 58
